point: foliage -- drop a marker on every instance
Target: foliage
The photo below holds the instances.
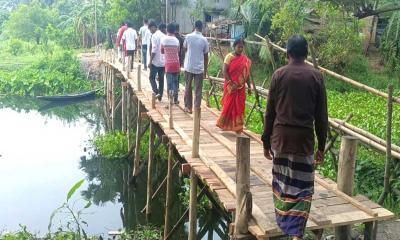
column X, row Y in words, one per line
column 390, row 45
column 134, row 11
column 112, row 145
column 29, row 22
column 142, row 233
column 76, row 223
column 58, row 73
column 203, row 205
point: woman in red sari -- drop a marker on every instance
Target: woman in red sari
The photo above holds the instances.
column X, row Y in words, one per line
column 237, row 75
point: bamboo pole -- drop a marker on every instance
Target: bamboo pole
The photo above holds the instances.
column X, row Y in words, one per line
column 341, row 77
column 138, row 138
column 113, row 93
column 363, row 139
column 128, row 117
column 243, row 194
column 168, row 191
column 123, row 109
column 196, row 132
column 171, row 105
column 193, row 206
column 345, row 177
column 388, row 163
column 153, row 101
column 139, row 77
column 149, row 167
column 367, row 134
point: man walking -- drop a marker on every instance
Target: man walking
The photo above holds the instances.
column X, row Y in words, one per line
column 157, row 62
column 296, row 105
column 170, row 49
column 130, row 38
column 144, row 39
column 196, row 62
column 121, row 47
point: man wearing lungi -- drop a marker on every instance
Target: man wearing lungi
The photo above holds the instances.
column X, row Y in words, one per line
column 296, row 106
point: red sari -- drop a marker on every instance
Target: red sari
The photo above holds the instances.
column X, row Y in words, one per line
column 234, row 98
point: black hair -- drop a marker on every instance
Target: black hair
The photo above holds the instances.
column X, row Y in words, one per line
column 171, row 28
column 146, row 20
column 162, row 26
column 129, row 24
column 152, row 24
column 237, row 41
column 297, row 47
column 198, row 25
column 176, row 27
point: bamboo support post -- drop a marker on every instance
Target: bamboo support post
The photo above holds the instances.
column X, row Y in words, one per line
column 123, row 60
column 243, row 195
column 153, row 101
column 171, row 108
column 139, row 77
column 196, row 132
column 313, row 56
column 345, row 177
column 168, row 191
column 149, row 167
column 138, row 138
column 123, row 109
column 113, row 93
column 129, row 69
column 388, row 163
column 128, row 117
column 193, row 206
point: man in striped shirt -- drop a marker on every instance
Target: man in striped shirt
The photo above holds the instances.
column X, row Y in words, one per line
column 170, row 49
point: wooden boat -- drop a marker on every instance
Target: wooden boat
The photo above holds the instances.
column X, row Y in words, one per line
column 70, row 97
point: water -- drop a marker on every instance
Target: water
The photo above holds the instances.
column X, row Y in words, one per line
column 46, row 149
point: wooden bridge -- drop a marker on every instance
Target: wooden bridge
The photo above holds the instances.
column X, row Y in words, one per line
column 230, row 166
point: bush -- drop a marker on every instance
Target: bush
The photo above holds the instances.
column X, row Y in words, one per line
column 15, row 46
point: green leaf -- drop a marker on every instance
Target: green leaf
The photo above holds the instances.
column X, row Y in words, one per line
column 74, row 188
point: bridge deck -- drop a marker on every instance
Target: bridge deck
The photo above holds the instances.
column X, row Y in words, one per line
column 216, row 167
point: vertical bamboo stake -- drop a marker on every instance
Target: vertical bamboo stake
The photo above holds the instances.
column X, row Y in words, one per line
column 388, row 163
column 113, row 99
column 153, row 101
column 128, row 117
column 149, row 167
column 243, row 195
column 123, row 111
column 196, row 132
column 123, row 59
column 137, row 147
column 128, row 69
column 139, row 77
column 168, row 193
column 313, row 56
column 193, row 206
column 345, row 178
column 171, row 104
column 271, row 51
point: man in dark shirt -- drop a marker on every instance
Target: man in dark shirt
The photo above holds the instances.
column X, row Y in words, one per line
column 296, row 106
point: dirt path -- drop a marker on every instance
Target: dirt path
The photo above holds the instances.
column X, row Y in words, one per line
column 91, row 65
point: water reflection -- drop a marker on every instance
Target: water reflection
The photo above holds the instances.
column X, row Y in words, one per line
column 43, row 153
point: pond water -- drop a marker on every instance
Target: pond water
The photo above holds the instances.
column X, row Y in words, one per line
column 46, row 149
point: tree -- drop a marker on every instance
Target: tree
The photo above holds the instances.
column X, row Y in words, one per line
column 28, row 22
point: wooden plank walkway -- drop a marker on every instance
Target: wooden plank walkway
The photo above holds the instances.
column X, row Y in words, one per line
column 216, row 167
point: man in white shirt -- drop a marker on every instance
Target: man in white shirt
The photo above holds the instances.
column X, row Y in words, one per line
column 130, row 37
column 144, row 40
column 196, row 62
column 157, row 62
